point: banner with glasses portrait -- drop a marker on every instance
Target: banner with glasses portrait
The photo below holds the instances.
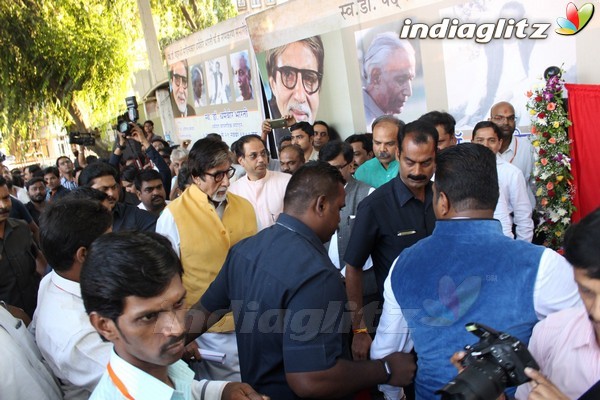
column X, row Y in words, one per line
column 213, row 83
column 349, row 61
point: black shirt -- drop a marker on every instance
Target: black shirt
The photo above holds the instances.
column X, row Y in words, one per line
column 35, row 214
column 387, row 222
column 19, row 211
column 18, row 278
column 128, row 218
column 288, row 303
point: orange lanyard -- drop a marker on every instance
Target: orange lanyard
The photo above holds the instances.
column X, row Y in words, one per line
column 516, row 148
column 118, row 383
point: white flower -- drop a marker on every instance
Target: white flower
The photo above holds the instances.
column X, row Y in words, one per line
column 542, row 121
column 566, row 221
column 562, row 212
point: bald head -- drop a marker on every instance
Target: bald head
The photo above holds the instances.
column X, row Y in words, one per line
column 503, row 115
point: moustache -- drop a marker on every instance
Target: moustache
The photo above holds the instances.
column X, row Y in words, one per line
column 417, row 177
column 157, row 197
column 384, row 154
column 4, row 210
column 173, row 341
column 299, row 108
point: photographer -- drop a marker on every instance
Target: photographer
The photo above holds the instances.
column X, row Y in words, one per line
column 136, row 133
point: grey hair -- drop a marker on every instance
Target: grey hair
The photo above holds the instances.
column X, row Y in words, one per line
column 381, row 49
column 179, row 154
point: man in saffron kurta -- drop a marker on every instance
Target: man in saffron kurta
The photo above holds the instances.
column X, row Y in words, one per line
column 202, row 224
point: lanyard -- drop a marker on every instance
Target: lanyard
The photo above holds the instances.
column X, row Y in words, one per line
column 118, row 383
column 516, row 149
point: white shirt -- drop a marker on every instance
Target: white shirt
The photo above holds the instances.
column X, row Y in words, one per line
column 141, row 385
column 513, row 186
column 554, row 290
column 502, row 214
column 265, row 195
column 22, row 194
column 333, row 252
column 521, row 154
column 166, row 226
column 66, row 338
column 24, row 374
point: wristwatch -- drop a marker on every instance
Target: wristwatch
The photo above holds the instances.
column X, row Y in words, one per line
column 388, row 370
column 121, row 147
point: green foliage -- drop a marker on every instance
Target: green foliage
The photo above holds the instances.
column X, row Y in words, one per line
column 63, row 55
column 552, row 171
column 180, row 18
column 70, row 62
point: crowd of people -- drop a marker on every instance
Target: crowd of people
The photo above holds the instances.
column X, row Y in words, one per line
column 340, row 269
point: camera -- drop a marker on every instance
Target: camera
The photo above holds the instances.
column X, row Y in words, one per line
column 81, row 138
column 494, row 363
column 131, row 115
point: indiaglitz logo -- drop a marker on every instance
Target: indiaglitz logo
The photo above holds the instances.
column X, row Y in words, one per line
column 576, row 19
column 453, row 301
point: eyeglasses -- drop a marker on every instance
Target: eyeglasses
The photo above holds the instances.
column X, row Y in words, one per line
column 311, row 80
column 180, row 80
column 502, row 118
column 340, row 167
column 219, row 175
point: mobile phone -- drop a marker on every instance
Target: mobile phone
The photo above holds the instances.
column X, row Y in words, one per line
column 278, row 123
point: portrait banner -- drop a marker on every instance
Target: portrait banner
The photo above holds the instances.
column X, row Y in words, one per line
column 348, row 62
column 214, row 85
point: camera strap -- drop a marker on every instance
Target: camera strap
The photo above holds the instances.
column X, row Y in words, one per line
column 593, row 393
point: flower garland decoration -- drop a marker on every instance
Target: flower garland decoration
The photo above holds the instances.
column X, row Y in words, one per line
column 552, row 169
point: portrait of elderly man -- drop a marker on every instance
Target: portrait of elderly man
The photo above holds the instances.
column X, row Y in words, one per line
column 242, row 76
column 295, row 75
column 198, row 87
column 179, row 90
column 388, row 72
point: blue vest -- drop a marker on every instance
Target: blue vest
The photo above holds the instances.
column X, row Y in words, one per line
column 466, row 271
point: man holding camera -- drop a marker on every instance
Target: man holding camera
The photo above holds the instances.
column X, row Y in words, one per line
column 468, row 271
column 566, row 345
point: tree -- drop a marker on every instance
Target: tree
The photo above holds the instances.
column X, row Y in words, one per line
column 70, row 62
column 180, row 18
column 63, row 61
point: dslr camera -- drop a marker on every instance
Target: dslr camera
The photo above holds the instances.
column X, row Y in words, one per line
column 494, row 363
column 130, row 116
column 81, row 138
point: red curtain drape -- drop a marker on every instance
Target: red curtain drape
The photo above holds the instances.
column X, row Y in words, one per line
column 584, row 112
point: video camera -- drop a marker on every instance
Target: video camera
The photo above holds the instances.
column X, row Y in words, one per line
column 130, row 116
column 496, row 362
column 81, row 138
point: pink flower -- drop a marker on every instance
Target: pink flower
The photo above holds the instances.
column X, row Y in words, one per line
column 544, row 161
column 551, row 106
column 552, row 140
column 550, row 186
column 529, row 93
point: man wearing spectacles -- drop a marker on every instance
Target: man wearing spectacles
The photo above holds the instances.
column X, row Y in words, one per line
column 202, row 224
column 389, row 69
column 264, row 189
column 179, row 90
column 515, row 150
column 295, row 75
